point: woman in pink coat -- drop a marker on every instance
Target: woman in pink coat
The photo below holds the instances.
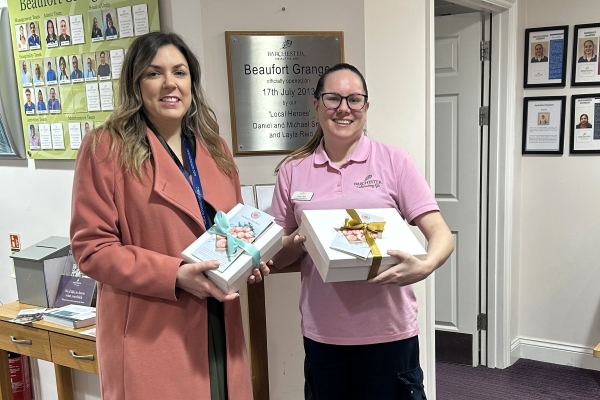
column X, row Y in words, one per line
column 146, row 185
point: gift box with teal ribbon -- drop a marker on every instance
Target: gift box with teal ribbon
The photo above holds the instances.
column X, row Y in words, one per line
column 239, row 240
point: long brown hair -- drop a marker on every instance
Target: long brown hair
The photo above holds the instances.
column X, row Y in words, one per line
column 314, row 142
column 127, row 125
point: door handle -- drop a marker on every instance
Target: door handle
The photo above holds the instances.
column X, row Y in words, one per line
column 17, row 341
column 75, row 356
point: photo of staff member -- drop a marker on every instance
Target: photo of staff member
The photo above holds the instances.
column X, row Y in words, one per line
column 34, row 41
column 583, row 122
column 51, row 36
column 96, row 29
column 86, row 127
column 543, row 118
column 76, row 73
column 38, row 78
column 34, row 139
column 110, row 22
column 89, row 67
column 103, row 66
column 25, row 74
column 29, row 104
column 588, row 55
column 50, row 70
column 538, row 52
column 41, row 105
column 53, row 100
column 63, row 38
column 21, row 39
column 63, row 71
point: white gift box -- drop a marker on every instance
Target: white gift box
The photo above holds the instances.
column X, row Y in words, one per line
column 335, row 266
column 236, row 275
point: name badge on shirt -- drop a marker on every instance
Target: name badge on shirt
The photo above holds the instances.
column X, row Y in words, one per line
column 302, row 196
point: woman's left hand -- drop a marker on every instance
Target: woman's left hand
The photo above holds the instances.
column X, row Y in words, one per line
column 408, row 271
column 259, row 273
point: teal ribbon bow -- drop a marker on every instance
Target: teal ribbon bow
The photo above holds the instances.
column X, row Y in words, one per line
column 221, row 227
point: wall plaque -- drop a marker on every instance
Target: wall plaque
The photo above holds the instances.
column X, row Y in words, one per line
column 272, row 78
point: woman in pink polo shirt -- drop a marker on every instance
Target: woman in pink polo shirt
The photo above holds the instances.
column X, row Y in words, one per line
column 360, row 338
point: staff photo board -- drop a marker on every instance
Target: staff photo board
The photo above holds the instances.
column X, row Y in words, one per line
column 68, row 59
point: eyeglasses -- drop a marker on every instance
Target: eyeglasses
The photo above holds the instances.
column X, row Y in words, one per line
column 332, row 101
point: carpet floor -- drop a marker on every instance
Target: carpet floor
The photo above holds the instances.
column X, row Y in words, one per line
column 524, row 380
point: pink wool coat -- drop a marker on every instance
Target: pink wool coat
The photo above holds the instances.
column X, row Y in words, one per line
column 128, row 235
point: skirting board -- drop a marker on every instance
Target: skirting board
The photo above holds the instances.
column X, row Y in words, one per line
column 554, row 352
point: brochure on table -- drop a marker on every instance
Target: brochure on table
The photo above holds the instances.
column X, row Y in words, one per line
column 72, row 315
column 322, row 229
column 248, row 225
column 68, row 59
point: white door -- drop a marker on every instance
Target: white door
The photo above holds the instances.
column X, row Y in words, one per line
column 457, row 183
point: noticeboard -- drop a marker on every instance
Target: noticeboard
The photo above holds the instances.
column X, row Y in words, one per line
column 68, row 58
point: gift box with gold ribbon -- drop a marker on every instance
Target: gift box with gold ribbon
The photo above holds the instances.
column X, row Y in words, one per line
column 375, row 236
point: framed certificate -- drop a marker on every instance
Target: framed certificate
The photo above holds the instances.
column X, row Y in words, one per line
column 543, row 125
column 545, row 56
column 585, row 69
column 585, row 123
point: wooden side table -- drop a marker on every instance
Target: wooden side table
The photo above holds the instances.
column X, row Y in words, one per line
column 66, row 348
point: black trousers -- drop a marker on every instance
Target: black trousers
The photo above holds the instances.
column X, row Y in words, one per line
column 383, row 371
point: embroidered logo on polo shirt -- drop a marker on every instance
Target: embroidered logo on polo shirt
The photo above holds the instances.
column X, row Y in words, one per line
column 368, row 183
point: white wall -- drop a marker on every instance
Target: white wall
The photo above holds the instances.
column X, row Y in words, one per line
column 559, row 300
column 398, row 113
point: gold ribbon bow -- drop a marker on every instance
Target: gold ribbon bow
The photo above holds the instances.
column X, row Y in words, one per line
column 356, row 223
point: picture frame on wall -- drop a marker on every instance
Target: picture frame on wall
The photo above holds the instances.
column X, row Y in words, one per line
column 585, row 66
column 545, row 61
column 585, row 123
column 543, row 125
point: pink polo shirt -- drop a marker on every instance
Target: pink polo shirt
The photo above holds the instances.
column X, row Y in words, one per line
column 376, row 176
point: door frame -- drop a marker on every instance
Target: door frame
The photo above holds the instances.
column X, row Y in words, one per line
column 502, row 155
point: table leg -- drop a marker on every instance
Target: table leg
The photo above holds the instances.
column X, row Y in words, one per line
column 5, row 383
column 64, row 382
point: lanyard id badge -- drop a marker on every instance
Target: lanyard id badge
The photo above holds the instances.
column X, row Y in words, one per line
column 195, row 183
